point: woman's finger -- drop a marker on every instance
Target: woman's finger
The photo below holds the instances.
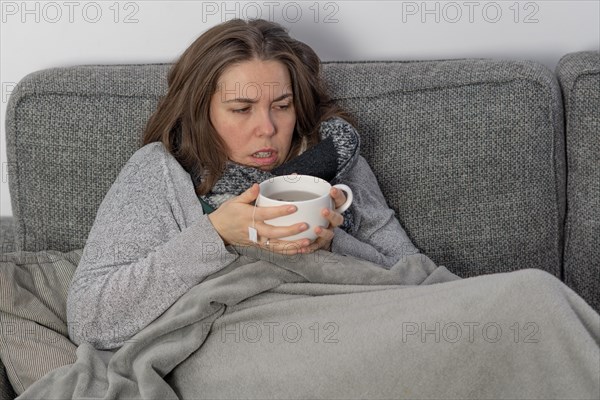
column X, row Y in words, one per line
column 317, row 245
column 334, row 218
column 323, row 241
column 249, row 195
column 338, row 196
column 277, row 232
column 285, row 247
column 324, row 233
column 267, row 213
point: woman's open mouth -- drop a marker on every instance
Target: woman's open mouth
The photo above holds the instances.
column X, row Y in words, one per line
column 265, row 157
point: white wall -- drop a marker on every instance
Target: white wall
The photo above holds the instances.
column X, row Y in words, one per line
column 43, row 34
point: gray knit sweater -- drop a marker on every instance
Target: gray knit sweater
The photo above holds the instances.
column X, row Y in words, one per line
column 151, row 242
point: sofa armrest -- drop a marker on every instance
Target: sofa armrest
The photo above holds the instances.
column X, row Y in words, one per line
column 7, row 236
column 579, row 77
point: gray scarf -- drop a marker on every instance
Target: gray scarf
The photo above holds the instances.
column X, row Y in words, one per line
column 330, row 159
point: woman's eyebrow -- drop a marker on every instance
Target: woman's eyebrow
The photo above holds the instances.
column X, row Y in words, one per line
column 247, row 100
column 283, row 96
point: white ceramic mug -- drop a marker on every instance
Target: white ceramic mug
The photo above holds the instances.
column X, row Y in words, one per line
column 308, row 193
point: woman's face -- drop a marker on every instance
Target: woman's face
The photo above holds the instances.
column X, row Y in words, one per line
column 253, row 112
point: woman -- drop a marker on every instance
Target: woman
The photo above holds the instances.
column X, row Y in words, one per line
column 245, row 102
column 268, row 105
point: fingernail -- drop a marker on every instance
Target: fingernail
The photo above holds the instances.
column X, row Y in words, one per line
column 303, row 227
column 292, row 208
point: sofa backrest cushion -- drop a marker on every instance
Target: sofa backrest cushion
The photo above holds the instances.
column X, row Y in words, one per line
column 69, row 132
column 469, row 153
column 579, row 77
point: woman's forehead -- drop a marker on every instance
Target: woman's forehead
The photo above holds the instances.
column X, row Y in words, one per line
column 255, row 79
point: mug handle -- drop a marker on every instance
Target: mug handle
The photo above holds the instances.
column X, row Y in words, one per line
column 349, row 197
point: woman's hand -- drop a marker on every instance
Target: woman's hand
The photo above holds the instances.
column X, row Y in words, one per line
column 325, row 235
column 232, row 219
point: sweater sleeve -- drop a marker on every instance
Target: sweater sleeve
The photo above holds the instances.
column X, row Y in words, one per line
column 149, row 244
column 377, row 235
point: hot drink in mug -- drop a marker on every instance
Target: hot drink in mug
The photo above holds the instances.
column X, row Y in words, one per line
column 308, row 193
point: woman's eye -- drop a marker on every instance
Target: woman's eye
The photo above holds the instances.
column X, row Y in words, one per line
column 284, row 106
column 241, row 110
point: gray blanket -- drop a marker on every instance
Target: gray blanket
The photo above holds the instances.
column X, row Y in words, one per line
column 330, row 326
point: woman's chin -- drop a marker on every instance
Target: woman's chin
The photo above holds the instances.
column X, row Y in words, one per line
column 266, row 167
column 261, row 166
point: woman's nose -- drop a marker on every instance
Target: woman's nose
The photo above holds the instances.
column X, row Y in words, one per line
column 266, row 126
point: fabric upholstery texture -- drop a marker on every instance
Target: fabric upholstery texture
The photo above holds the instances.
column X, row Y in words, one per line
column 34, row 335
column 468, row 153
column 69, row 132
column 579, row 76
column 7, row 235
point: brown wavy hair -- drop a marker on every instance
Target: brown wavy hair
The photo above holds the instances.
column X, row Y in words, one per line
column 181, row 121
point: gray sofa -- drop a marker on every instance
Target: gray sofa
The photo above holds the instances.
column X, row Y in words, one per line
column 490, row 165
